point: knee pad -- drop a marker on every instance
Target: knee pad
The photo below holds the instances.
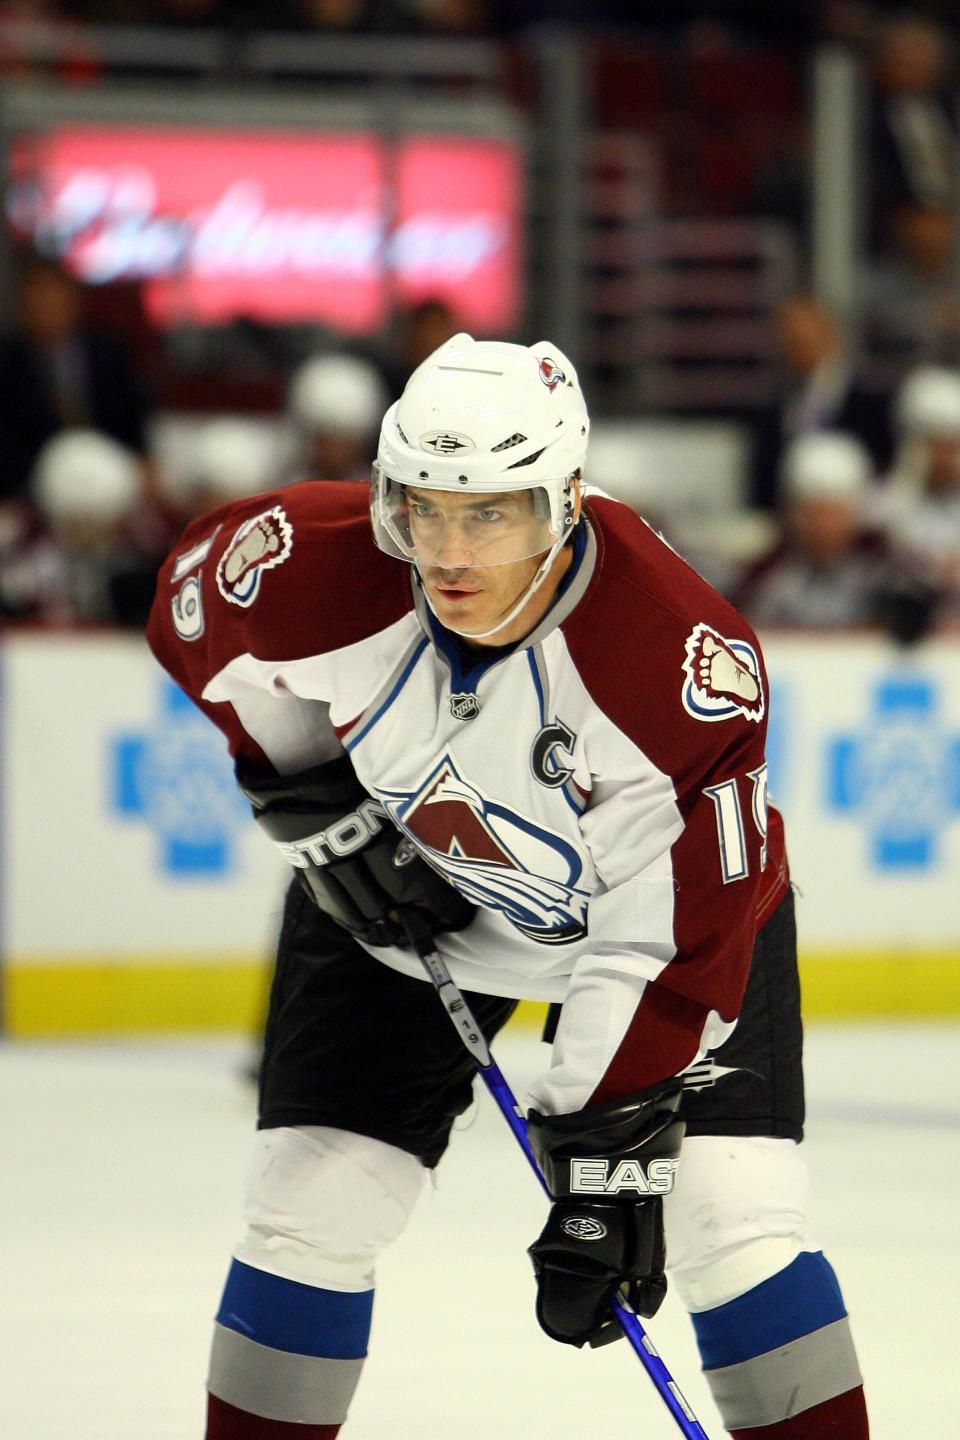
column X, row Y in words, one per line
column 322, row 1203
column 736, row 1217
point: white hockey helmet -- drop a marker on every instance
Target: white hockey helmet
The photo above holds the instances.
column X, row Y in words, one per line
column 826, row 465
column 480, row 418
column 83, row 475
column 341, row 393
column 928, row 403
column 234, row 458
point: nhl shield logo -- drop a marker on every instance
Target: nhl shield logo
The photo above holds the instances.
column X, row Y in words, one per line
column 464, row 707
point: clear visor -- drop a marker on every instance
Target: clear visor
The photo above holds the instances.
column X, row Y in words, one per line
column 455, row 530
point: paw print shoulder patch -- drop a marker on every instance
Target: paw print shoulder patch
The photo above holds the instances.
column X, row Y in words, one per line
column 722, row 677
column 260, row 544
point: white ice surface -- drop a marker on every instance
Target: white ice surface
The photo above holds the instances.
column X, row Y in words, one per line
column 118, row 1205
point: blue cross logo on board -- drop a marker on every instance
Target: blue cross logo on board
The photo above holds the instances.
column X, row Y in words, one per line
column 900, row 775
column 781, row 721
column 176, row 778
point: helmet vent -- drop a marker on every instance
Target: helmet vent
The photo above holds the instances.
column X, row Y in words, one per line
column 509, row 443
column 401, row 434
column 528, row 461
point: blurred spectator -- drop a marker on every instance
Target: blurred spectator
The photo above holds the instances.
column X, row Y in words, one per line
column 181, row 14
column 27, row 28
column 847, row 22
column 820, row 388
column 349, row 17
column 336, row 404
column 95, row 560
column 233, row 457
column 781, row 188
column 435, row 17
column 913, row 131
column 205, row 14
column 828, row 570
column 419, row 329
column 57, row 372
column 920, row 504
column 911, row 307
column 454, row 17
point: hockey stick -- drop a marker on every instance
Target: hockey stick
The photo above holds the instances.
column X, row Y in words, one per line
column 499, row 1087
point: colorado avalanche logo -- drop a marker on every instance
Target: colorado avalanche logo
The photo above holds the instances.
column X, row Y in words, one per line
column 259, row 545
column 497, row 858
column 550, row 373
column 723, row 677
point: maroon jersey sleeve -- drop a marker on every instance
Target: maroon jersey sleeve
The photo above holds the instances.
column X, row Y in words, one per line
column 279, row 576
column 680, row 673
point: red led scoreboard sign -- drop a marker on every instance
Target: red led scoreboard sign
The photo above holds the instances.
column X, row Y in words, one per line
column 288, row 227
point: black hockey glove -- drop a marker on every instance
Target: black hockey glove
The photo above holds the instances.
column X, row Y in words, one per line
column 608, row 1168
column 350, row 856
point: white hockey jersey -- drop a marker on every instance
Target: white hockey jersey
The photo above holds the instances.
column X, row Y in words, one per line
column 598, row 791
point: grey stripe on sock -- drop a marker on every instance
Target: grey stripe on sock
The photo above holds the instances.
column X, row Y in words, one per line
column 785, row 1382
column 276, row 1385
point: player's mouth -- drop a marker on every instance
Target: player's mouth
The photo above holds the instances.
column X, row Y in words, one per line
column 455, row 592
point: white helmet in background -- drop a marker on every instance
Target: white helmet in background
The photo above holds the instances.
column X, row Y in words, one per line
column 83, row 475
column 826, row 465
column 483, row 416
column 928, row 403
column 340, row 393
column 233, row 458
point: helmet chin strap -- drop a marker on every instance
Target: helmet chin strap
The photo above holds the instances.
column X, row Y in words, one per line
column 542, row 571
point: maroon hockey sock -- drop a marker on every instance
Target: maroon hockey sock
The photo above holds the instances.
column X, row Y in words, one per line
column 226, row 1422
column 842, row 1418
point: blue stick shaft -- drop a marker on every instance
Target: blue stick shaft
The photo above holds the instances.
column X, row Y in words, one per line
column 495, row 1081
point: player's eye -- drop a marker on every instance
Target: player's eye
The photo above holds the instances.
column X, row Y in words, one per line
column 489, row 516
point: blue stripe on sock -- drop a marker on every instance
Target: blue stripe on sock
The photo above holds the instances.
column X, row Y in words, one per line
column 301, row 1319
column 800, row 1299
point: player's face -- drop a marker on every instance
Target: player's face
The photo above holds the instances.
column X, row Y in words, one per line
column 943, row 463
column 824, row 529
column 462, row 545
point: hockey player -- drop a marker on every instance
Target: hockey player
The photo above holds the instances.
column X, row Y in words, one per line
column 540, row 738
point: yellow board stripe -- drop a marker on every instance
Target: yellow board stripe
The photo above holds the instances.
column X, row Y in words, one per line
column 146, row 995
column 874, row 984
column 133, row 996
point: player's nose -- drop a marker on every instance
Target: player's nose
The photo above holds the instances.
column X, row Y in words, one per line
column 452, row 549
